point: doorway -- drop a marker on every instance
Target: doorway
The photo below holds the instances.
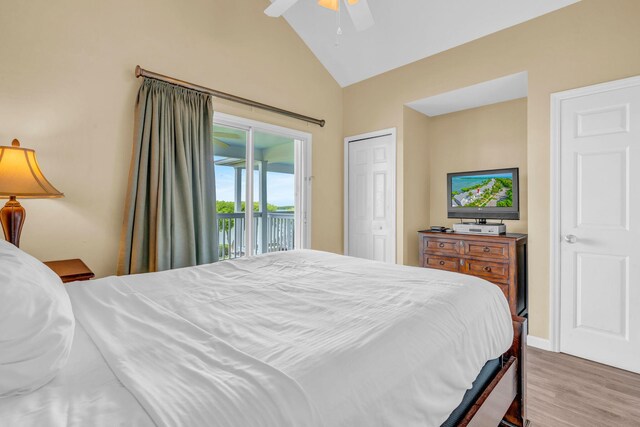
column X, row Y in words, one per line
column 596, row 212
column 266, row 168
column 370, row 196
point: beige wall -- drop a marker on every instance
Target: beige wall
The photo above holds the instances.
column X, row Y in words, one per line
column 490, row 137
column 590, row 42
column 67, row 90
column 415, row 172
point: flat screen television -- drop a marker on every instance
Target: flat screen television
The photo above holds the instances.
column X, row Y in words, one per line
column 482, row 195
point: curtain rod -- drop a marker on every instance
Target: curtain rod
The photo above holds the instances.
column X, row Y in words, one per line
column 141, row 72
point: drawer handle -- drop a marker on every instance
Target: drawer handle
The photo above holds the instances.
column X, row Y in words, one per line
column 441, row 245
column 441, row 262
column 487, row 269
column 486, row 249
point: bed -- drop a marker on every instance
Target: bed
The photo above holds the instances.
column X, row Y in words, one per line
column 301, row 338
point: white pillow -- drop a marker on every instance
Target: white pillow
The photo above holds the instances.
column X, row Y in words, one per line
column 36, row 322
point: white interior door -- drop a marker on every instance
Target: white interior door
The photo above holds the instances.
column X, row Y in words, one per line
column 600, row 226
column 371, row 197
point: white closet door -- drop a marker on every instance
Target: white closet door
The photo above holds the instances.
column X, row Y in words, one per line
column 371, row 187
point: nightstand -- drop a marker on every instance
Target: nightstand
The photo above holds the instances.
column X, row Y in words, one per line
column 70, row 270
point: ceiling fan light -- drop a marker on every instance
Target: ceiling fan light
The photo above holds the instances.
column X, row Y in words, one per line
column 333, row 4
column 330, row 4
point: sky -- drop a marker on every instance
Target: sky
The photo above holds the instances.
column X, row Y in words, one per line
column 280, row 186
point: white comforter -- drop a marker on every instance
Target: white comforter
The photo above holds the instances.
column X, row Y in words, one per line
column 286, row 339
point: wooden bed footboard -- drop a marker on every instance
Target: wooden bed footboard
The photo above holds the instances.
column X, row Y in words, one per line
column 503, row 402
column 517, row 413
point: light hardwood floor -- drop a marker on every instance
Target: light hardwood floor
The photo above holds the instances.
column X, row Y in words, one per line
column 568, row 391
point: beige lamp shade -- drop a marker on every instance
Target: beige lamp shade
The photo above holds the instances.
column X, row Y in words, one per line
column 21, row 176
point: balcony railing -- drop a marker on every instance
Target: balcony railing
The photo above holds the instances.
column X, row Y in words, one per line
column 278, row 235
column 230, row 235
column 280, row 231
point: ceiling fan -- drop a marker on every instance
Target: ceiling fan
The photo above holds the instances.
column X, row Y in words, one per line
column 227, row 135
column 358, row 10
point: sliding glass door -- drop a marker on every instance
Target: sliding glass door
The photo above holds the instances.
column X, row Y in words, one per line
column 230, row 152
column 274, row 187
column 277, row 187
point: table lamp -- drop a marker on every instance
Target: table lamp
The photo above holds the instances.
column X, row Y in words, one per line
column 20, row 176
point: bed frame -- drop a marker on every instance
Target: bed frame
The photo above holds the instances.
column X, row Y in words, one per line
column 503, row 402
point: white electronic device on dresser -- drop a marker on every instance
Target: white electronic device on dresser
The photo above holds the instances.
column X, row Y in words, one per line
column 479, row 228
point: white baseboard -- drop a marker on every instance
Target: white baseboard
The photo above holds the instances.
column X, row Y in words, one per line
column 537, row 342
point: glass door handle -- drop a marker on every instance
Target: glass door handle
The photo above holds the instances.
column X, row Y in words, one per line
column 570, row 238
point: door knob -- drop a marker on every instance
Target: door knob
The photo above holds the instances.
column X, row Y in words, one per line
column 570, row 238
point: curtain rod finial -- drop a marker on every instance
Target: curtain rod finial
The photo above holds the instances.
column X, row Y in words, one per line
column 138, row 71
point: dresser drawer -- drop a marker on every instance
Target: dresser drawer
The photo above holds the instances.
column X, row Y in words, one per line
column 442, row 246
column 441, row 262
column 501, row 260
column 487, row 250
column 487, row 269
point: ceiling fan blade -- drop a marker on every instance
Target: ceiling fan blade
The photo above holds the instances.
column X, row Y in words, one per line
column 228, row 135
column 219, row 143
column 360, row 14
column 278, row 7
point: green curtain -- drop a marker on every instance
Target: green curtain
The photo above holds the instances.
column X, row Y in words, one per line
column 170, row 215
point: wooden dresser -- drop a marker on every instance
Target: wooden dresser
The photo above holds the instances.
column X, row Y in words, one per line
column 499, row 259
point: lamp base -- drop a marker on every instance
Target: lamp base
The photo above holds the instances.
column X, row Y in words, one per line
column 12, row 217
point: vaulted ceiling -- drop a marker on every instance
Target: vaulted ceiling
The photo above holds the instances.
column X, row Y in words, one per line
column 404, row 31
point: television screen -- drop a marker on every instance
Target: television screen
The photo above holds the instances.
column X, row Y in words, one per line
column 482, row 190
column 484, row 194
